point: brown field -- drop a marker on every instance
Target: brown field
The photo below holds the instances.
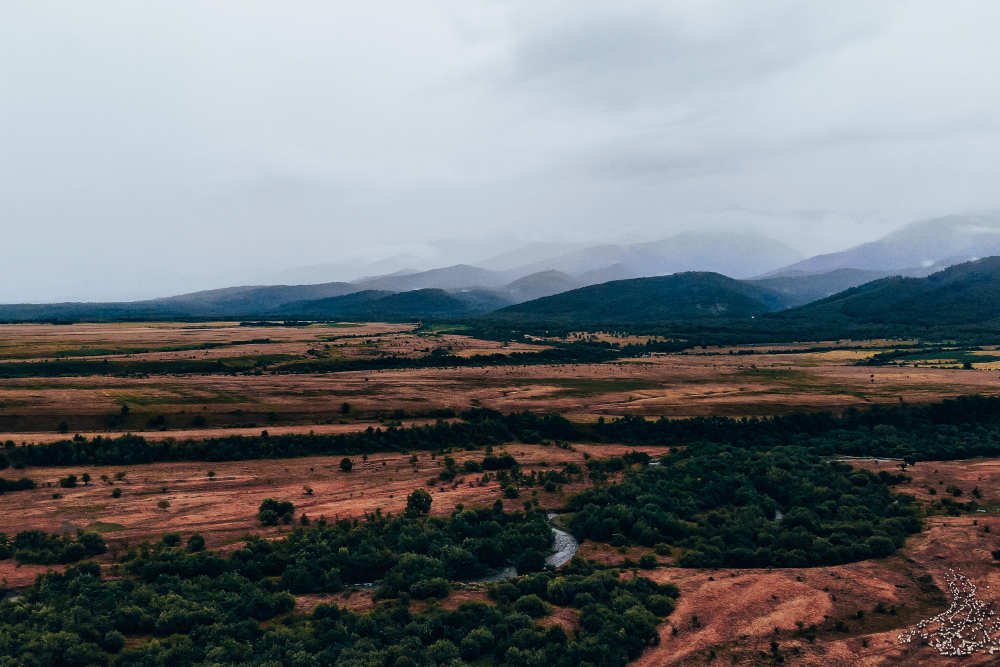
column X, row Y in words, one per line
column 708, row 382
column 723, row 617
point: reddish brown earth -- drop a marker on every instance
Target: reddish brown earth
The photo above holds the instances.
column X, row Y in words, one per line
column 224, row 509
column 676, row 385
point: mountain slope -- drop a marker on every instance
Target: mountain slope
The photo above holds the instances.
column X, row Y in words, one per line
column 951, row 239
column 802, row 289
column 226, row 302
column 734, row 255
column 682, row 296
column 460, row 276
column 966, row 293
column 382, row 305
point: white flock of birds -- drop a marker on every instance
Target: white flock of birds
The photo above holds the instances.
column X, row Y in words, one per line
column 968, row 626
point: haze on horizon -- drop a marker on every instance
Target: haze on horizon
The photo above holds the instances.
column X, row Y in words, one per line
column 151, row 149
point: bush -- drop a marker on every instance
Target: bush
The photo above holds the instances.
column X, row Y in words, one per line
column 438, row 587
column 648, row 561
column 418, row 502
column 550, row 486
column 199, row 421
column 530, row 560
column 116, row 493
column 67, row 482
column 113, row 641
column 271, row 511
column 346, row 465
column 511, row 492
column 196, row 543
column 472, row 466
column 531, row 605
column 172, row 539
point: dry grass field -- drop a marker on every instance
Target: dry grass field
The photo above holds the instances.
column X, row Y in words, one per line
column 747, row 617
column 708, row 382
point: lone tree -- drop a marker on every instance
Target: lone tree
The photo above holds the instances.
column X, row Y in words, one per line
column 86, row 478
column 120, row 475
column 418, row 502
column 345, row 408
column 211, row 474
column 163, row 505
column 346, row 465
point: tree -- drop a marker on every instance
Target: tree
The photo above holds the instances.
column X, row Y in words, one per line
column 63, row 427
column 172, row 539
column 67, row 482
column 126, row 409
column 120, row 475
column 196, row 543
column 418, row 502
column 211, row 474
column 117, row 493
column 86, row 478
column 346, row 465
column 163, row 505
column 345, row 408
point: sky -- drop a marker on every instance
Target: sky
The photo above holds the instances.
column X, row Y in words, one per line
column 152, row 148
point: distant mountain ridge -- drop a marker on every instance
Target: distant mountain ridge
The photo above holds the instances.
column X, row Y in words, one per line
column 967, row 293
column 924, row 245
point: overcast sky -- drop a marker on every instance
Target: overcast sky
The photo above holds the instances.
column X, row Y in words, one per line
column 148, row 148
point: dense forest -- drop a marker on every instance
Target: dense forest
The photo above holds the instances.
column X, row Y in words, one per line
column 186, row 606
column 750, row 507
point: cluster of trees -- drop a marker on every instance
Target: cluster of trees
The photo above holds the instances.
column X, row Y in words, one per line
column 23, row 484
column 37, row 546
column 401, row 551
column 76, row 619
column 479, row 427
column 751, row 507
column 965, row 427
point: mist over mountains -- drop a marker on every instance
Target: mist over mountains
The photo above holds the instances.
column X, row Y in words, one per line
column 708, row 274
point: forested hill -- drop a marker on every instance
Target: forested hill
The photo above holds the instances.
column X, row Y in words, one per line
column 681, row 296
column 963, row 294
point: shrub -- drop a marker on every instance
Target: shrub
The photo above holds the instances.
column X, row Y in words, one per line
column 113, row 641
column 271, row 511
column 511, row 492
column 472, row 466
column 531, row 605
column 172, row 539
column 116, row 493
column 67, row 482
column 530, row 560
column 418, row 502
column 437, row 587
column 648, row 561
column 196, row 543
column 346, row 465
column 550, row 486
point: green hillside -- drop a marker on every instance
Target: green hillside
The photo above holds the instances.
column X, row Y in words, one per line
column 682, row 296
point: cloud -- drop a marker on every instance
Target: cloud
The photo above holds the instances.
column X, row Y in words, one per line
column 153, row 148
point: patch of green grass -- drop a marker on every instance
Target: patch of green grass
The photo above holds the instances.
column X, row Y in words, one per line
column 102, row 527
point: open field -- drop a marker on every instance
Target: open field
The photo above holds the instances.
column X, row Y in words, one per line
column 734, row 613
column 224, row 509
column 707, row 382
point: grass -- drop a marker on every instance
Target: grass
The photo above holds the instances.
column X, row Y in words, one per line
column 81, row 508
column 180, row 396
column 102, row 527
column 578, row 387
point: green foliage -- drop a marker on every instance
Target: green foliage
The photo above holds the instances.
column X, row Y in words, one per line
column 271, row 511
column 36, row 546
column 724, row 504
column 195, row 543
column 966, row 427
column 346, row 464
column 67, row 482
column 481, row 427
column 418, row 503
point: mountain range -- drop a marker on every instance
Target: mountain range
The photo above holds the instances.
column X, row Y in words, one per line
column 709, row 275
